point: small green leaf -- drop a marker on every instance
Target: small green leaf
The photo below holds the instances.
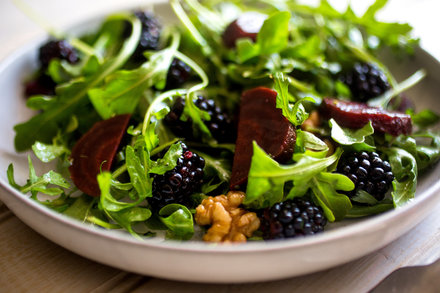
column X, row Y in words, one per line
column 138, row 175
column 47, row 152
column 267, row 177
column 178, row 220
column 352, row 137
column 424, row 118
column 274, row 33
column 404, row 167
column 168, row 161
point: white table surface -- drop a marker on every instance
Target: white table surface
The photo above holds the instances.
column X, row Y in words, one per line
column 30, row 263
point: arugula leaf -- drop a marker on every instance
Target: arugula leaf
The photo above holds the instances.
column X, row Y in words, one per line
column 138, row 175
column 324, row 187
column 40, row 102
column 36, row 184
column 424, row 118
column 404, row 167
column 362, row 196
column 49, row 152
column 296, row 114
column 126, row 218
column 272, row 38
column 267, row 177
column 123, row 89
column 373, row 9
column 274, row 34
column 168, row 161
column 362, row 211
column 352, row 137
column 426, row 154
column 44, row 126
column 178, row 220
column 107, row 202
column 80, row 208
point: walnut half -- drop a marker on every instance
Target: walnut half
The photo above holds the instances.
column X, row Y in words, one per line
column 229, row 223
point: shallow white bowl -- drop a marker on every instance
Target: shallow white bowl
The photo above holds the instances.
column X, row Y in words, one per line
column 196, row 261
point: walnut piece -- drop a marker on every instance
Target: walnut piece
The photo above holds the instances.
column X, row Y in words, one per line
column 229, row 223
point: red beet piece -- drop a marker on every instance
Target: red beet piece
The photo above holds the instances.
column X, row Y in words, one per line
column 357, row 115
column 262, row 122
column 246, row 26
column 95, row 151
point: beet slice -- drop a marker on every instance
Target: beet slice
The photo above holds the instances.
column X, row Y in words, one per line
column 95, row 151
column 357, row 115
column 246, row 26
column 262, row 122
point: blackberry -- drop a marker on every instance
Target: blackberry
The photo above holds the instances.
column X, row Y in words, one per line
column 150, row 35
column 176, row 186
column 292, row 218
column 60, row 49
column 220, row 125
column 42, row 85
column 366, row 81
column 178, row 74
column 368, row 172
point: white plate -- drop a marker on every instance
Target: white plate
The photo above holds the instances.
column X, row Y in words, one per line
column 196, row 261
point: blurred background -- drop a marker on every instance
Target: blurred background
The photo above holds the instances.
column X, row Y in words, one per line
column 16, row 29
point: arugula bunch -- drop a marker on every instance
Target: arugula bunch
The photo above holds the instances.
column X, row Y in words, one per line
column 300, row 51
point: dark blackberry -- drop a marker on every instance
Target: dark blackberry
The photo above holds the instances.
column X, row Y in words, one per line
column 368, row 172
column 59, row 49
column 366, row 81
column 42, row 85
column 150, row 35
column 220, row 125
column 178, row 74
column 177, row 185
column 292, row 218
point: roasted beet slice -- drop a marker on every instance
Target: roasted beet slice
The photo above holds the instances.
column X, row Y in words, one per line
column 95, row 151
column 246, row 26
column 356, row 115
column 262, row 122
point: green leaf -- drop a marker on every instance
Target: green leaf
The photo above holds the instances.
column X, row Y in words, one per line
column 49, row 152
column 312, row 142
column 106, row 201
column 404, row 167
column 197, row 115
column 246, row 49
column 424, row 118
column 352, row 137
column 44, row 126
column 373, row 9
column 362, row 196
column 40, row 102
column 36, row 184
column 123, row 89
column 296, row 114
column 178, row 220
column 267, row 177
column 10, row 175
column 425, row 147
column 138, row 175
column 334, row 204
column 168, row 161
column 80, row 208
column 363, row 211
column 274, row 34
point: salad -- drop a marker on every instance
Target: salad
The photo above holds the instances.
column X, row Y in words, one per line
column 248, row 120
